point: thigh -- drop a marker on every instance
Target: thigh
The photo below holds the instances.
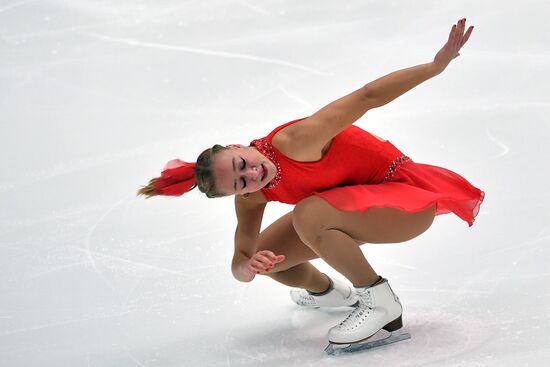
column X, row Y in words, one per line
column 375, row 225
column 281, row 238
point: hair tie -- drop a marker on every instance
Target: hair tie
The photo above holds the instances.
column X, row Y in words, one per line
column 177, row 178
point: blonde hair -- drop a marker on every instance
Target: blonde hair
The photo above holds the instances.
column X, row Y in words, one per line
column 205, row 179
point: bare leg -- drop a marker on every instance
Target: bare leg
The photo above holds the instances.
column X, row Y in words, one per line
column 296, row 271
column 334, row 236
column 342, row 253
column 328, row 232
column 304, row 276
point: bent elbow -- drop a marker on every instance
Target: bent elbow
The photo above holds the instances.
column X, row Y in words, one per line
column 238, row 276
column 370, row 99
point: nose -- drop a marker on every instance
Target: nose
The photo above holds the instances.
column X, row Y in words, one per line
column 253, row 173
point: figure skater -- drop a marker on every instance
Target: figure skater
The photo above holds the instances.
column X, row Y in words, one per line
column 349, row 188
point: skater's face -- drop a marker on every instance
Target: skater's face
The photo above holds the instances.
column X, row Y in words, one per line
column 241, row 170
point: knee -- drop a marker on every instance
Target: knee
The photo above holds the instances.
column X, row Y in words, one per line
column 307, row 220
column 428, row 221
column 419, row 224
column 425, row 220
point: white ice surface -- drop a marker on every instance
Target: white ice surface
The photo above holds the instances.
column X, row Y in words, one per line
column 95, row 96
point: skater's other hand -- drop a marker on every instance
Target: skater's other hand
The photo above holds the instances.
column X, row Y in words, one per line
column 263, row 261
column 457, row 39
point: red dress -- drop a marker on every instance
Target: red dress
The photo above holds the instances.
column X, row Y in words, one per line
column 359, row 172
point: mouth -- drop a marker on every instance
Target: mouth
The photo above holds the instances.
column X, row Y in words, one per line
column 264, row 172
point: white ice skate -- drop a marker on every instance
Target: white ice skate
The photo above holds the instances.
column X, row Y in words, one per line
column 373, row 323
column 338, row 295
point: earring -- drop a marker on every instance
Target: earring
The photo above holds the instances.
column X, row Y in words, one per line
column 246, row 195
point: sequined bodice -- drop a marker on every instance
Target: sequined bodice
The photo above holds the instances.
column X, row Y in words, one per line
column 354, row 157
column 266, row 149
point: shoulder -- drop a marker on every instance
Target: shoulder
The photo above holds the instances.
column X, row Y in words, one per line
column 298, row 143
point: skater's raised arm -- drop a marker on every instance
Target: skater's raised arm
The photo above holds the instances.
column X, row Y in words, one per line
column 391, row 86
column 321, row 127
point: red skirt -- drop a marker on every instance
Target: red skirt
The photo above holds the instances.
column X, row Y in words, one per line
column 413, row 187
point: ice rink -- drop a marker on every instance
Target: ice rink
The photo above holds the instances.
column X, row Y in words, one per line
column 96, row 96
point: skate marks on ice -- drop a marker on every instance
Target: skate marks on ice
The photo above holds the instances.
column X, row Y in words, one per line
column 88, row 246
column 443, row 336
column 430, row 333
column 380, row 339
column 16, row 5
column 202, row 51
column 434, row 340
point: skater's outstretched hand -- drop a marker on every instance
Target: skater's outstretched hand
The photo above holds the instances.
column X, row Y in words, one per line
column 263, row 261
column 457, row 39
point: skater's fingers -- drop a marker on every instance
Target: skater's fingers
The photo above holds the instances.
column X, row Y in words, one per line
column 269, row 255
column 254, row 270
column 255, row 263
column 461, row 25
column 262, row 267
column 455, row 35
column 257, row 269
column 277, row 258
column 264, row 260
column 460, row 35
column 467, row 36
column 451, row 32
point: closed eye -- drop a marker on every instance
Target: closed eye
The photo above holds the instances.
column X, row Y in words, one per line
column 243, row 165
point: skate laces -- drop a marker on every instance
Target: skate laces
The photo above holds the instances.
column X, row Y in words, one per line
column 307, row 299
column 361, row 312
column 302, row 298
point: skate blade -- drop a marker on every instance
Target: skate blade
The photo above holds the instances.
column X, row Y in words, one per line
column 379, row 341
